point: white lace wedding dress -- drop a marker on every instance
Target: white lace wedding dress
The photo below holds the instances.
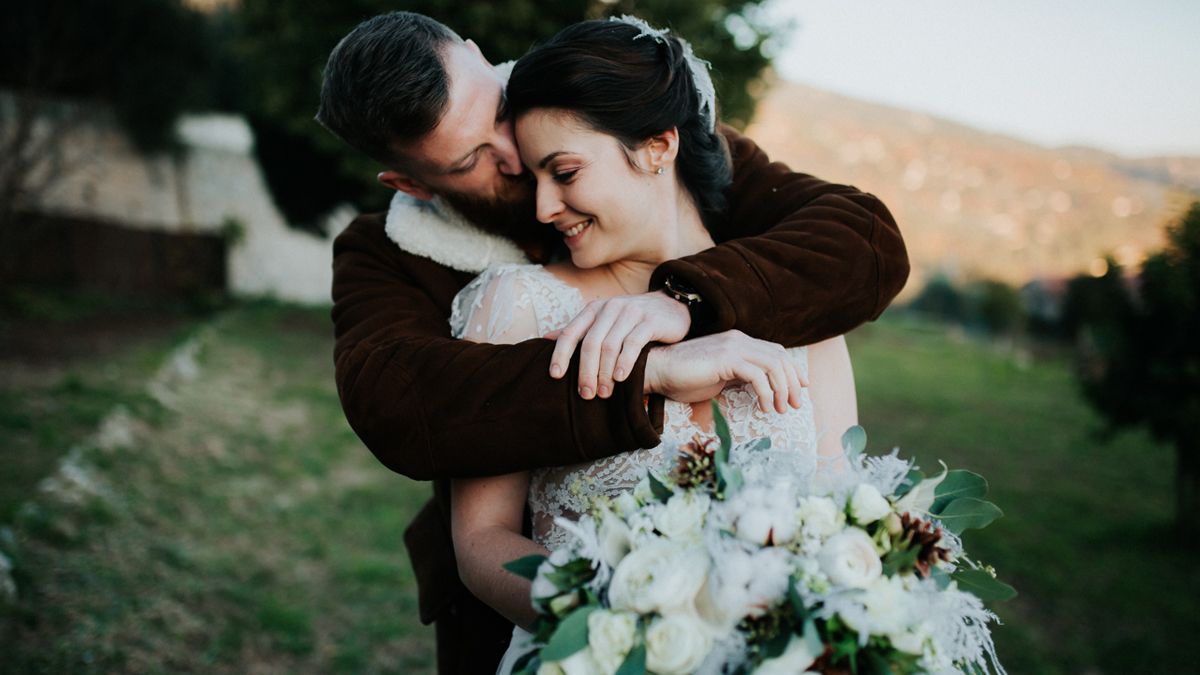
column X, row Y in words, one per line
column 512, row 303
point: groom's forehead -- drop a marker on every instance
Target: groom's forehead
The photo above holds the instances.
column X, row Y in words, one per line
column 475, row 101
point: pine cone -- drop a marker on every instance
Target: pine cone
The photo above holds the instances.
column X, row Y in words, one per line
column 920, row 533
column 697, row 463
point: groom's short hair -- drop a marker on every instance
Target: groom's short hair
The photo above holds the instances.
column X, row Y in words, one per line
column 385, row 84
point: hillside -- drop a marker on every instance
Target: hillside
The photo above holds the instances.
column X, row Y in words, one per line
column 975, row 204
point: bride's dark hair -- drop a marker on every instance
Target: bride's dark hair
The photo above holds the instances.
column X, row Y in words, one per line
column 631, row 88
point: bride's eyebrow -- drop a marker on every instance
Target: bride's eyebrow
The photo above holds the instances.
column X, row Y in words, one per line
column 546, row 160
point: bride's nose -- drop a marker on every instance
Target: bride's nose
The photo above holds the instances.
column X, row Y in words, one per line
column 549, row 203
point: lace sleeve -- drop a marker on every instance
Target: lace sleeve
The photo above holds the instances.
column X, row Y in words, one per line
column 496, row 307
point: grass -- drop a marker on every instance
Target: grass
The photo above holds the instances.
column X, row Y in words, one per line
column 246, row 529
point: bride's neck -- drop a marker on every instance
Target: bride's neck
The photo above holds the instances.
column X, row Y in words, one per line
column 681, row 233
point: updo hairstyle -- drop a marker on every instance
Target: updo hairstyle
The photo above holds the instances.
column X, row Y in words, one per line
column 631, row 88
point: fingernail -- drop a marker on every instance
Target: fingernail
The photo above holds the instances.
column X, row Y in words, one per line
column 603, row 391
column 585, row 392
column 620, row 374
column 555, row 370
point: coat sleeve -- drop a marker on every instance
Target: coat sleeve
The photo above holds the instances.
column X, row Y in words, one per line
column 429, row 406
column 801, row 260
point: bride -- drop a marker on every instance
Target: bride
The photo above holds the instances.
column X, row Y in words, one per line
column 616, row 121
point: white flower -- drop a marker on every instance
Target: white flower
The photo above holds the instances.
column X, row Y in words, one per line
column 625, row 503
column 682, row 518
column 543, row 588
column 762, row 515
column 911, row 642
column 611, row 635
column 922, row 496
column 849, row 559
column 747, row 583
column 888, row 606
column 659, row 576
column 643, row 492
column 867, row 505
column 580, row 663
column 676, row 645
column 616, row 539
column 820, row 517
column 793, row 660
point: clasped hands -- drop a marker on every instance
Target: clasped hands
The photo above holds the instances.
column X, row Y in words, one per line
column 611, row 334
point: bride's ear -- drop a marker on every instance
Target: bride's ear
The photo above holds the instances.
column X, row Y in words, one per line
column 663, row 148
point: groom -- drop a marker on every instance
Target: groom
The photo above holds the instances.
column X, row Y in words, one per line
column 799, row 261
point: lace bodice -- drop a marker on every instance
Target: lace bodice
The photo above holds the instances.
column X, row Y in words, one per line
column 512, row 303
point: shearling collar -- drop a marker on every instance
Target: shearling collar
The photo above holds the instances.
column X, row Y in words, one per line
column 433, row 229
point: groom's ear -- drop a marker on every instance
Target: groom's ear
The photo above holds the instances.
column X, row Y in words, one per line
column 405, row 183
column 663, row 148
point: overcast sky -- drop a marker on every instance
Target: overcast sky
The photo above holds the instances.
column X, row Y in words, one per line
column 1123, row 76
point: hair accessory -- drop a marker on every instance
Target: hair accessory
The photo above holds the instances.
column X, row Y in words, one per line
column 699, row 67
column 661, row 170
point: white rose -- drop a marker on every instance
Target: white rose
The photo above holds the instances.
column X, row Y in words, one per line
column 611, row 636
column 795, row 659
column 616, row 539
column 625, row 503
column 820, row 517
column 888, row 607
column 676, row 645
column 549, row 668
column 682, row 519
column 643, row 492
column 849, row 559
column 659, row 576
column 909, row 642
column 867, row 505
column 580, row 663
column 543, row 588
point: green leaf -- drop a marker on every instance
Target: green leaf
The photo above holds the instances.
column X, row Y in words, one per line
column 940, row 576
column 661, row 492
column 757, row 445
column 913, row 479
column 635, row 662
column 897, row 561
column 722, row 454
column 966, row 514
column 570, row 637
column 526, row 567
column 794, row 598
column 958, row 484
column 777, row 645
column 729, row 479
column 854, row 440
column 983, row 585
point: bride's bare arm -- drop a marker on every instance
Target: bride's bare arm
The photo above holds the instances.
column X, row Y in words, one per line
column 485, row 521
column 831, row 388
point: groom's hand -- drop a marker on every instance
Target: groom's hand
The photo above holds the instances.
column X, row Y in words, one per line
column 698, row 369
column 613, row 333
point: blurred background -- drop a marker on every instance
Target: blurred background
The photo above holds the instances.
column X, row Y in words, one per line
column 179, row 491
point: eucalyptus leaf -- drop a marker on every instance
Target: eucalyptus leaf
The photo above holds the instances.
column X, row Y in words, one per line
column 854, row 440
column 983, row 585
column 757, row 445
column 729, row 479
column 777, row 645
column 940, row 576
column 796, row 601
column 526, row 567
column 660, row 491
column 570, row 637
column 966, row 514
column 722, row 433
column 898, row 561
column 635, row 662
column 958, row 484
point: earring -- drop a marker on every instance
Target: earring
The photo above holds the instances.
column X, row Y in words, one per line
column 661, row 170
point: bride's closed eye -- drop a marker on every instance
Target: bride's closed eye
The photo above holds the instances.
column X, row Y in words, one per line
column 566, row 176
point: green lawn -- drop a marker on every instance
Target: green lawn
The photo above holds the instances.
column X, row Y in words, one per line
column 244, row 528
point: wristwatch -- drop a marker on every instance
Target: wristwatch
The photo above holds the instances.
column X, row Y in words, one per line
column 701, row 312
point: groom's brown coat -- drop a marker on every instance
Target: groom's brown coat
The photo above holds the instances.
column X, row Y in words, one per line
column 800, row 260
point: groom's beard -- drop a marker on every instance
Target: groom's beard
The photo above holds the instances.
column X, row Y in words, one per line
column 511, row 213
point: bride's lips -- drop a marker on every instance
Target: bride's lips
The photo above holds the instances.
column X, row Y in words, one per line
column 573, row 233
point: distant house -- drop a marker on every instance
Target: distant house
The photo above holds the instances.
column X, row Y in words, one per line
column 177, row 222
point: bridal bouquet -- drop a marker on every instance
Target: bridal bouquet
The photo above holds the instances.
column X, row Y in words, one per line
column 740, row 561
